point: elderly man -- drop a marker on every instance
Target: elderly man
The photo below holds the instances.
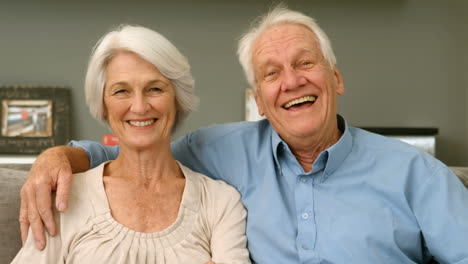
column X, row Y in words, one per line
column 316, row 189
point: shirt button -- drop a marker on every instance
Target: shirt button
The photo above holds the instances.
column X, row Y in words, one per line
column 304, row 247
column 305, row 216
column 303, row 179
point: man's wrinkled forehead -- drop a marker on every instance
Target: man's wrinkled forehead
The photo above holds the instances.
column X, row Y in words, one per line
column 285, row 38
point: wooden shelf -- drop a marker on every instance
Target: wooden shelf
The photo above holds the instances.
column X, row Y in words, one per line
column 17, row 159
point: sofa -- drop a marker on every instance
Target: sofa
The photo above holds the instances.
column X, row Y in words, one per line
column 12, row 178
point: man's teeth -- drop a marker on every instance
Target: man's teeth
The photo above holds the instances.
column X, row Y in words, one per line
column 300, row 101
column 141, row 123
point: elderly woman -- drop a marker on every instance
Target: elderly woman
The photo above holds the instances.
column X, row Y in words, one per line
column 143, row 207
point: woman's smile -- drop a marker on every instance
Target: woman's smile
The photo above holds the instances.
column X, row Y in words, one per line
column 142, row 123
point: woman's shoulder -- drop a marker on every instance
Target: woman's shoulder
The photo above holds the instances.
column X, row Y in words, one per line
column 85, row 181
column 212, row 199
column 87, row 192
column 208, row 187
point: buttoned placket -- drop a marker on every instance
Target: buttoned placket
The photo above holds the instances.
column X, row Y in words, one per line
column 306, row 221
column 303, row 188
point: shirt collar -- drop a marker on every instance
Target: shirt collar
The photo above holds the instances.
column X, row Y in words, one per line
column 338, row 152
column 276, row 141
column 332, row 157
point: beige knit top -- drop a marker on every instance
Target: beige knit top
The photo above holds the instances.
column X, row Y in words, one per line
column 210, row 226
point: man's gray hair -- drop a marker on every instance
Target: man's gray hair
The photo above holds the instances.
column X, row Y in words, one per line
column 152, row 47
column 280, row 15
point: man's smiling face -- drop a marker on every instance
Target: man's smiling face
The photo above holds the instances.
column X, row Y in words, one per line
column 296, row 88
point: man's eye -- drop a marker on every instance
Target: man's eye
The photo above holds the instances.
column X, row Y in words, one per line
column 306, row 64
column 269, row 74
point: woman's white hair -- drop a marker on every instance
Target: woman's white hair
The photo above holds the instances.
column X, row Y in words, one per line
column 152, row 47
column 280, row 15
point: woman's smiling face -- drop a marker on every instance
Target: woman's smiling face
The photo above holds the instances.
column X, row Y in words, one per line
column 139, row 101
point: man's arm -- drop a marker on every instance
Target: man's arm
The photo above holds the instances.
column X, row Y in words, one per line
column 440, row 206
column 52, row 170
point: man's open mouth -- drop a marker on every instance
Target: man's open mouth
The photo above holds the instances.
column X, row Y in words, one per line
column 300, row 101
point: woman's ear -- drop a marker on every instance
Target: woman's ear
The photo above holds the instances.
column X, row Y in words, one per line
column 104, row 113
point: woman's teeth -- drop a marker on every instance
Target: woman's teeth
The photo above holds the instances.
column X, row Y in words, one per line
column 142, row 123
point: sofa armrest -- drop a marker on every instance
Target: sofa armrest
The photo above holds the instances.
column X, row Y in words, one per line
column 462, row 173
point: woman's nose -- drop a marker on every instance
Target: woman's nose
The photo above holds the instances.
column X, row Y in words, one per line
column 140, row 104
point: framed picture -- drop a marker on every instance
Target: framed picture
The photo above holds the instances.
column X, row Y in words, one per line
column 33, row 118
column 251, row 110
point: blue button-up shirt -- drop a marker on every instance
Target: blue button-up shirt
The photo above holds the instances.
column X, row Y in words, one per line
column 368, row 199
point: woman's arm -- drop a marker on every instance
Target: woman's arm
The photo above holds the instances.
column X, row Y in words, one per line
column 53, row 253
column 228, row 240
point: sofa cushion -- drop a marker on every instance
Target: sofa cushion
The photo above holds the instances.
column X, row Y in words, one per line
column 10, row 185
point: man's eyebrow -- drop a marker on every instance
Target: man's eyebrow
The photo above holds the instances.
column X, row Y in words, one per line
column 267, row 62
column 306, row 51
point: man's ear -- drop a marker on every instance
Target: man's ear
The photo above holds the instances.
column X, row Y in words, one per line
column 258, row 100
column 339, row 81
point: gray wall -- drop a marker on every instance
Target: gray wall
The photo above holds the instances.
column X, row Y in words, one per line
column 403, row 61
column 464, row 52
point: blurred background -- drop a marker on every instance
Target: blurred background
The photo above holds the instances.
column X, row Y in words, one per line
column 404, row 62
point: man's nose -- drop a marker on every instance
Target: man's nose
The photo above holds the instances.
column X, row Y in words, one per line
column 140, row 104
column 292, row 79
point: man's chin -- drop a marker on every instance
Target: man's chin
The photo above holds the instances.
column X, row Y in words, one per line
column 300, row 133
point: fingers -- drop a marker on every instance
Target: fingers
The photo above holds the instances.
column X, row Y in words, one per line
column 34, row 218
column 36, row 205
column 64, row 183
column 23, row 218
column 44, row 207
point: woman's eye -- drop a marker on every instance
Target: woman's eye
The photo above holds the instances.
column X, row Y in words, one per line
column 156, row 89
column 119, row 91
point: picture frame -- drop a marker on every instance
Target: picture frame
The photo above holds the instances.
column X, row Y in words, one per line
column 33, row 118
